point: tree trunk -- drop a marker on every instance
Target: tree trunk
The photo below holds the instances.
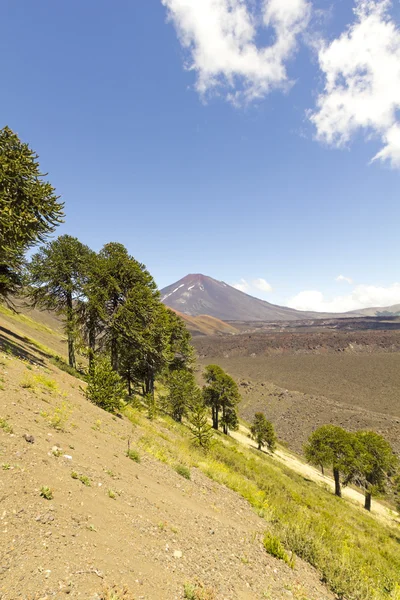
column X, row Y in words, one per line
column 114, row 353
column 215, row 417
column 367, row 504
column 114, row 343
column 322, row 470
column 129, row 386
column 92, row 343
column 70, row 332
column 336, row 476
column 224, row 426
column 259, row 445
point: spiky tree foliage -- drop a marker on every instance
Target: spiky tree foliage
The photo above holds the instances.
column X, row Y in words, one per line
column 222, row 395
column 105, row 387
column 332, row 446
column 262, row 431
column 29, row 207
column 115, row 277
column 183, row 392
column 58, row 273
column 375, row 462
column 198, row 424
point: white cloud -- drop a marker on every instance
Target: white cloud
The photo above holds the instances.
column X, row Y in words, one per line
column 362, row 81
column 220, row 37
column 362, row 296
column 241, row 285
column 344, row 279
column 261, row 284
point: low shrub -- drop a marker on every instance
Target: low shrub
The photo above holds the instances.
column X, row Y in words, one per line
column 274, row 546
column 133, row 455
column 183, row 470
column 46, row 492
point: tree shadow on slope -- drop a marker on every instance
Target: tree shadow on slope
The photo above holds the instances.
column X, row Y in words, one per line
column 21, row 347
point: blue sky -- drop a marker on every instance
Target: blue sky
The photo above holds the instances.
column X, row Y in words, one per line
column 233, row 143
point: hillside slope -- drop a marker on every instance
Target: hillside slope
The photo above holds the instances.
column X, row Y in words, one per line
column 139, row 525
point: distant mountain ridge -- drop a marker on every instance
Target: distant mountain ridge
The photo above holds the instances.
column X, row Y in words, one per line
column 198, row 294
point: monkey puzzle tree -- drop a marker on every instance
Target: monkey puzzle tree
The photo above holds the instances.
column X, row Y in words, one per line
column 29, row 207
column 375, row 462
column 198, row 424
column 222, row 395
column 332, row 446
column 262, row 431
column 115, row 277
column 183, row 393
column 57, row 276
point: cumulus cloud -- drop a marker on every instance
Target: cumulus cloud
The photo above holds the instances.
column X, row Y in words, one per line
column 261, row 284
column 362, row 296
column 362, row 82
column 241, row 285
column 220, row 37
column 341, row 278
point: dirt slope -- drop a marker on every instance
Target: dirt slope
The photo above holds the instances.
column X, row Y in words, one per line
column 156, row 532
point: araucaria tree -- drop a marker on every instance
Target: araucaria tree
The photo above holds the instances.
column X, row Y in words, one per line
column 105, row 387
column 198, row 424
column 29, row 207
column 332, row 446
column 222, row 395
column 58, row 273
column 183, row 393
column 116, row 276
column 375, row 462
column 262, row 432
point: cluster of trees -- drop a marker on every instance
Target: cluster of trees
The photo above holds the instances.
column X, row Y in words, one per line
column 364, row 458
column 219, row 398
column 111, row 309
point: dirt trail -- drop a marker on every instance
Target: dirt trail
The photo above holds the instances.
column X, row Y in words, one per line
column 290, row 461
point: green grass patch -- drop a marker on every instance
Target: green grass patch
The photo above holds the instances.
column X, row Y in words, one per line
column 5, row 426
column 82, row 478
column 58, row 418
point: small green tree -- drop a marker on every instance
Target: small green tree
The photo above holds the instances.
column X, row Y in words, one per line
column 332, row 446
column 29, row 207
column 222, row 395
column 183, row 393
column 262, row 431
column 57, row 275
column 375, row 462
column 105, row 387
column 198, row 424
